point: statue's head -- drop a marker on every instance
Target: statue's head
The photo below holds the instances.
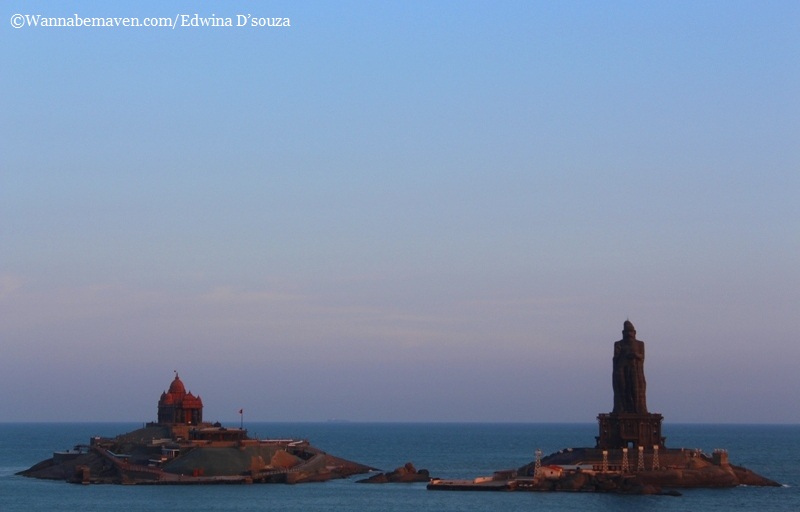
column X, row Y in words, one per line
column 628, row 330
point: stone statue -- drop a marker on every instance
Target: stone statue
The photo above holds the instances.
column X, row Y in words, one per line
column 628, row 377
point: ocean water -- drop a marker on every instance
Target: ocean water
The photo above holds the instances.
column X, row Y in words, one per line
column 446, row 450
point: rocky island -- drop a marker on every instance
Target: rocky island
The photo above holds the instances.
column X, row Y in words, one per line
column 405, row 474
column 630, row 454
column 180, row 448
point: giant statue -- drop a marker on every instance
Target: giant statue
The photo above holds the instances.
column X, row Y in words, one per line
column 630, row 393
column 629, row 425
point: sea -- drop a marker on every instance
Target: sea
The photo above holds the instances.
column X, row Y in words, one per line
column 447, row 450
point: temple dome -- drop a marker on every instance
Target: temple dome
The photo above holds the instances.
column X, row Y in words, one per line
column 628, row 327
column 177, row 387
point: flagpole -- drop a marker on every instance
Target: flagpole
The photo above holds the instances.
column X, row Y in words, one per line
column 241, row 420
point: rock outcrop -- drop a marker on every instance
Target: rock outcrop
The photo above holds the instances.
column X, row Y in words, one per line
column 133, row 459
column 404, row 474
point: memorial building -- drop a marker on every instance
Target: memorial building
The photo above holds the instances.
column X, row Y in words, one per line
column 177, row 407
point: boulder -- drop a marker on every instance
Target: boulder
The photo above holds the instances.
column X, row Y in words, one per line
column 403, row 474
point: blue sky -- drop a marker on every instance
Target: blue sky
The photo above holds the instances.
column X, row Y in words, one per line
column 401, row 211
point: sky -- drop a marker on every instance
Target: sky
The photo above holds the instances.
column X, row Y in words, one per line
column 400, row 211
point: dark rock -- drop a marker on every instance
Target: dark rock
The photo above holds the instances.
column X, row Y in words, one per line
column 746, row 477
column 404, row 474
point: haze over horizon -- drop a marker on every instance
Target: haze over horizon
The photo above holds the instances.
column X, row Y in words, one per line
column 405, row 211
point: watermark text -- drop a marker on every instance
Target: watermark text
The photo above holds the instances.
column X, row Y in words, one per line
column 188, row 21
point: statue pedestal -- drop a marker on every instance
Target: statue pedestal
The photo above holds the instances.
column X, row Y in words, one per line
column 629, row 430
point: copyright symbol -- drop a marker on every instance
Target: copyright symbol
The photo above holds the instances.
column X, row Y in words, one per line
column 17, row 20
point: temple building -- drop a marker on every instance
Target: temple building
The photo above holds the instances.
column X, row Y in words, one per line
column 629, row 425
column 177, row 407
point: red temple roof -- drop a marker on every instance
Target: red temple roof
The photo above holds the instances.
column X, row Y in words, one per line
column 177, row 395
column 177, row 386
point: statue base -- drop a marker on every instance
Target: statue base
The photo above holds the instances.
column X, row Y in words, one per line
column 629, row 430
